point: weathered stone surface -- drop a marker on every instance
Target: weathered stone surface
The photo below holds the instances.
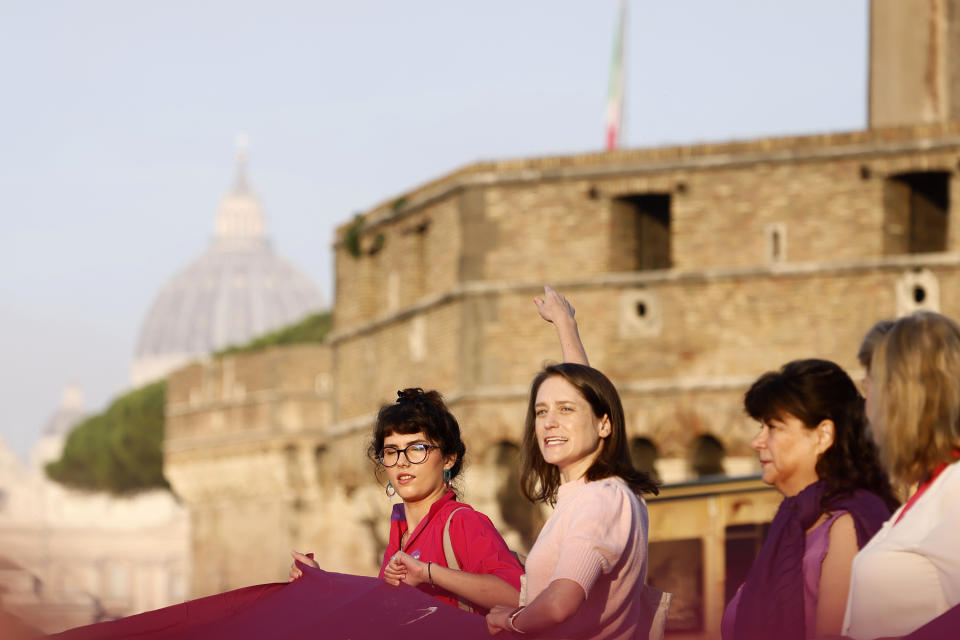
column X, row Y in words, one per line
column 269, row 449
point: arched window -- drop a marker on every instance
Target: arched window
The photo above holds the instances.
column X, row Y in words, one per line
column 706, row 456
column 644, row 453
column 518, row 513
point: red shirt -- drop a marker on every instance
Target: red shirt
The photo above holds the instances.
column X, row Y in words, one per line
column 477, row 544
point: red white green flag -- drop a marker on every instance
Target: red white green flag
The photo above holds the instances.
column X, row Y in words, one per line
column 614, row 110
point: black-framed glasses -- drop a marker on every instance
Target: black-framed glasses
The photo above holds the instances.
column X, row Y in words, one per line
column 415, row 453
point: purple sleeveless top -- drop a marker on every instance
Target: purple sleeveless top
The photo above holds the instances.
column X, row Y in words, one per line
column 817, row 543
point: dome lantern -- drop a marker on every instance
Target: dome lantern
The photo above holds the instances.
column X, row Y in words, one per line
column 240, row 221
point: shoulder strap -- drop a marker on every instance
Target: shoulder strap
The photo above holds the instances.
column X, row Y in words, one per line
column 451, row 557
column 658, row 607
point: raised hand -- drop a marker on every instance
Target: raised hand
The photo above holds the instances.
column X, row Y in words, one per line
column 553, row 306
column 556, row 309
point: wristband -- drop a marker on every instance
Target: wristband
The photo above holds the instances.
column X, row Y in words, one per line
column 430, row 575
column 510, row 625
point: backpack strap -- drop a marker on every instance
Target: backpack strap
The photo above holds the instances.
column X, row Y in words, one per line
column 451, row 557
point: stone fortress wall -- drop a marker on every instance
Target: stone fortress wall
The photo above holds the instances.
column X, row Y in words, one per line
column 693, row 269
column 778, row 249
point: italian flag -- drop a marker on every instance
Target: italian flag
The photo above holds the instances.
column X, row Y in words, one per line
column 614, row 110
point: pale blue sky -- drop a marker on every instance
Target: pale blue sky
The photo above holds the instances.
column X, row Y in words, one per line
column 118, row 120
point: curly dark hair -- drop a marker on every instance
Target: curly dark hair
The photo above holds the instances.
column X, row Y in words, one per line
column 539, row 480
column 418, row 411
column 817, row 390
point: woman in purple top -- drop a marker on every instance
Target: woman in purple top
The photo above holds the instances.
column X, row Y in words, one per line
column 813, row 447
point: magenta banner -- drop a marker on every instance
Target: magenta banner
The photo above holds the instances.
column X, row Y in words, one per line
column 320, row 605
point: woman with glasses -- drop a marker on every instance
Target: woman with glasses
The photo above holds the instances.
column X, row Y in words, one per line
column 439, row 545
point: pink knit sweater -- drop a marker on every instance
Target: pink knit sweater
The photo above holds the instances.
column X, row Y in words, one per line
column 597, row 537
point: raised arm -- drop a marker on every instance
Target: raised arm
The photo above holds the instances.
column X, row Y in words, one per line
column 556, row 309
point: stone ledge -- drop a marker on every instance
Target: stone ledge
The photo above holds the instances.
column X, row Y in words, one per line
column 830, row 146
column 644, row 278
column 265, row 396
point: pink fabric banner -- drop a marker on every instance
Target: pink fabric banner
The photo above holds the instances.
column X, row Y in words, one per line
column 319, row 605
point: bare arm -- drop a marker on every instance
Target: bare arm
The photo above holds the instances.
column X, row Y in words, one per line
column 835, row 576
column 485, row 590
column 557, row 603
column 556, row 309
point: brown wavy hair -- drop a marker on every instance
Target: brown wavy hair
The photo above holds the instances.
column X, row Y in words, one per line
column 539, row 480
column 817, row 390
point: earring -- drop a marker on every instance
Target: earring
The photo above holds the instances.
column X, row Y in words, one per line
column 390, row 491
column 446, row 478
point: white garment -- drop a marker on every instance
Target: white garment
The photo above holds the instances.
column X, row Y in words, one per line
column 909, row 573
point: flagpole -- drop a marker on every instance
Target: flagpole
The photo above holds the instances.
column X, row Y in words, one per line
column 624, row 57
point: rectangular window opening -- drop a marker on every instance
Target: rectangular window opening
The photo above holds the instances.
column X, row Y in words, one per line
column 742, row 545
column 676, row 566
column 642, row 231
column 916, row 212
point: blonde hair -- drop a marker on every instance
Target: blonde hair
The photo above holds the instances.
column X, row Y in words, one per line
column 916, row 379
column 871, row 340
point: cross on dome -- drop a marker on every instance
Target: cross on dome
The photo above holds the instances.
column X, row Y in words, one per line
column 240, row 218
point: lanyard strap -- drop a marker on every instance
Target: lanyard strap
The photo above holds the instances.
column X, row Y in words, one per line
column 922, row 488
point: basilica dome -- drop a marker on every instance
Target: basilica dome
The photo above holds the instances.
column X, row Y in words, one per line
column 239, row 288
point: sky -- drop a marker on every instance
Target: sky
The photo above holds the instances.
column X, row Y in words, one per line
column 118, row 122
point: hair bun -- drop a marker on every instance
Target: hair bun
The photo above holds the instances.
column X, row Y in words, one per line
column 411, row 394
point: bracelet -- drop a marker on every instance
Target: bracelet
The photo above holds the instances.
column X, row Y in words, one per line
column 510, row 625
column 430, row 575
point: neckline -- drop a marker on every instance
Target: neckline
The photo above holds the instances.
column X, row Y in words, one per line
column 922, row 488
column 570, row 487
column 831, row 516
column 448, row 497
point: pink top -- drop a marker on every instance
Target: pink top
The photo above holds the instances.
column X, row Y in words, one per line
column 817, row 544
column 597, row 537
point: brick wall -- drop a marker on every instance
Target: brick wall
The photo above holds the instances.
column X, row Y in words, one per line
column 270, row 446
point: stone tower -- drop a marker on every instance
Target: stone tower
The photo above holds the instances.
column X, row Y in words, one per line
column 914, row 62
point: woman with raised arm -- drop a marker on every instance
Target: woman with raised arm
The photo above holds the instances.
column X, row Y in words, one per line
column 586, row 571
column 907, row 579
column 439, row 545
column 814, row 449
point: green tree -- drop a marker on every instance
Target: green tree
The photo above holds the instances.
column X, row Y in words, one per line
column 119, row 450
column 313, row 328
